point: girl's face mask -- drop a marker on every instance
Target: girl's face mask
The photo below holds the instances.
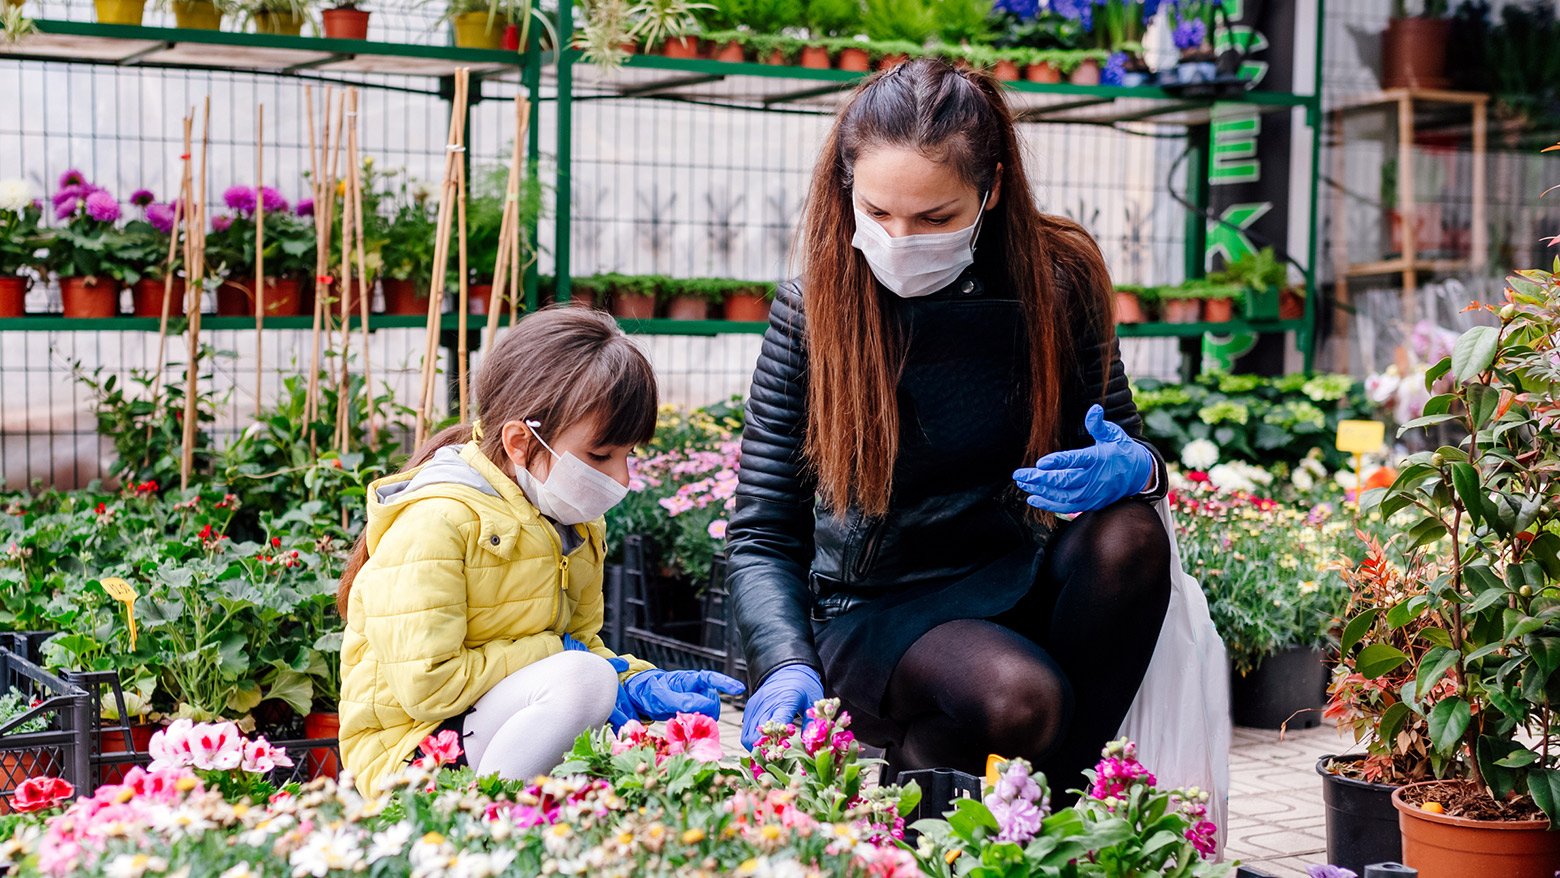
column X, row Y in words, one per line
column 574, row 492
column 916, row 265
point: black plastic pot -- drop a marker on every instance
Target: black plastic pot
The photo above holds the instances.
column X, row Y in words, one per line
column 1290, row 686
column 940, row 789
column 1362, row 825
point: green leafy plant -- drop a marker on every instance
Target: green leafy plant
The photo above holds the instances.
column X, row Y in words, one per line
column 833, row 18
column 909, row 21
column 656, row 21
column 15, row 703
column 411, row 231
column 21, row 228
column 485, row 219
column 962, row 21
column 148, row 434
column 1260, row 270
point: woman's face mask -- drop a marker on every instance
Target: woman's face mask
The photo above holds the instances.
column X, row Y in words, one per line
column 574, row 492
column 916, row 265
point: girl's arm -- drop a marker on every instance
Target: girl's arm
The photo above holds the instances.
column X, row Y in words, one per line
column 413, row 597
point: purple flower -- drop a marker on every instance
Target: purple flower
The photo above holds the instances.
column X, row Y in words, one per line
column 1115, row 69
column 1329, row 871
column 142, row 197
column 1189, row 34
column 1018, row 803
column 1023, row 10
column 72, row 177
column 65, row 211
column 71, row 194
column 1081, row 11
column 305, row 207
column 240, row 198
column 273, row 200
column 102, row 207
column 160, row 215
column 221, row 223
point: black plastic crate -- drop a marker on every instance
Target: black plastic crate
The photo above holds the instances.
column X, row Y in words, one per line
column 60, row 748
column 639, row 623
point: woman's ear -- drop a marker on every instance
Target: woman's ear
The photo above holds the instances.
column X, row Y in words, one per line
column 516, row 437
column 996, row 189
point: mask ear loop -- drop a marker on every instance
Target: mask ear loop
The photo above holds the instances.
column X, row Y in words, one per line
column 533, row 425
column 980, row 221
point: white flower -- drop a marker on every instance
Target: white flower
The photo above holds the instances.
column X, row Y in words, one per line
column 242, row 870
column 1302, row 479
column 1199, row 454
column 1230, row 477
column 474, row 864
column 15, row 195
column 325, row 850
column 390, row 842
column 134, row 866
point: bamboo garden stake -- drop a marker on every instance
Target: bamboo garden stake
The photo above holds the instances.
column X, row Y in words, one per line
column 195, row 270
column 362, row 267
column 505, row 272
column 259, row 253
column 179, row 211
column 453, row 159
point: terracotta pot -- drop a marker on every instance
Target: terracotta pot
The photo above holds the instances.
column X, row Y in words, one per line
column 1413, row 53
column 889, row 62
column 474, row 30
column 1087, row 73
column 853, row 59
column 1441, row 846
column 815, row 58
column 405, row 297
column 345, row 23
column 13, row 296
column 1045, row 72
column 322, row 761
column 114, row 742
column 1291, row 305
column 583, row 298
column 731, row 53
column 1006, row 70
column 197, row 15
column 687, row 308
column 146, row 297
column 89, row 296
column 17, row 766
column 1219, row 310
column 289, row 24
column 478, row 297
column 120, row 11
column 681, row 47
column 775, row 58
column 283, row 298
column 633, row 306
column 1182, row 310
column 1129, row 308
column 746, row 307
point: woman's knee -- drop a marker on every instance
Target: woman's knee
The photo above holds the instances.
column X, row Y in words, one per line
column 1124, row 541
column 1025, row 711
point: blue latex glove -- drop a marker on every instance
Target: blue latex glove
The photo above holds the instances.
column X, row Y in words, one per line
column 1070, row 482
column 624, row 710
column 661, row 695
column 786, row 693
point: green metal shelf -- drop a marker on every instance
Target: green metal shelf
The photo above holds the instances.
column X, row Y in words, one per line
column 1185, row 330
column 84, row 42
column 476, row 323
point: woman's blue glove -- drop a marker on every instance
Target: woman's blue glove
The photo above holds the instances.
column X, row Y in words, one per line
column 1069, row 482
column 786, row 693
column 661, row 695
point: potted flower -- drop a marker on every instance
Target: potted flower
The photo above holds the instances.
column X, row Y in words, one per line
column 1413, row 47
column 748, row 301
column 21, row 236
column 289, row 253
column 282, row 17
column 1192, row 32
column 18, row 765
column 146, row 241
column 345, row 21
column 84, row 252
column 1486, row 514
column 408, row 253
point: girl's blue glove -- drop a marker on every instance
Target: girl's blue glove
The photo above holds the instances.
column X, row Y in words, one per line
column 785, row 693
column 1070, row 482
column 623, row 712
column 661, row 695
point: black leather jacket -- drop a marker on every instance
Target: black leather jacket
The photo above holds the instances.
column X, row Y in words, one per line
column 955, row 508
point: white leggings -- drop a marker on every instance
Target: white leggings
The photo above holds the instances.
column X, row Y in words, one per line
column 522, row 727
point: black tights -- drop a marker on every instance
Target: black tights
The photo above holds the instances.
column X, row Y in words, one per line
column 1051, row 679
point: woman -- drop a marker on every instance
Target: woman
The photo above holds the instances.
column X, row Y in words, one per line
column 944, row 333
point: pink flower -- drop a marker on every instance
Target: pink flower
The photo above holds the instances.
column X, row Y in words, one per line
column 443, row 748
column 72, row 177
column 694, row 734
column 206, row 746
column 41, row 794
column 718, row 529
column 272, row 200
column 142, row 198
column 160, row 215
column 262, row 758
column 305, row 207
column 240, row 198
column 1204, row 837
column 221, row 223
column 102, row 207
column 1119, row 770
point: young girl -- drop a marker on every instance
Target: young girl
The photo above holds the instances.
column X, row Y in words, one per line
column 473, row 599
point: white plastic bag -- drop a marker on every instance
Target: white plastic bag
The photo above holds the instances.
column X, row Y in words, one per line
column 1180, row 718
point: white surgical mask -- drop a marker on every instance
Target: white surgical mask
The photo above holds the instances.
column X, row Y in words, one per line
column 916, row 265
column 575, row 492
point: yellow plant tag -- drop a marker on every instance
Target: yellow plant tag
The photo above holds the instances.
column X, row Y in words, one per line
column 993, row 768
column 1361, row 437
column 125, row 593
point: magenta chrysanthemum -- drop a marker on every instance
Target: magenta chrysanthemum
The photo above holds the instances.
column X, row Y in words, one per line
column 305, row 207
column 69, row 195
column 102, row 207
column 142, row 197
column 72, row 177
column 272, row 199
column 160, row 215
column 240, row 198
column 221, row 223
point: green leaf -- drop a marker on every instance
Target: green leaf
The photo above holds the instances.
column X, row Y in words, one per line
column 1521, row 758
column 1426, row 421
column 1439, row 404
column 1392, row 720
column 1425, row 533
column 1545, row 651
column 1466, row 480
column 1483, row 400
column 1357, row 628
column 1448, row 720
column 1473, row 353
column 1433, row 667
column 1434, row 373
column 1544, row 787
column 296, row 689
column 1492, row 753
column 1407, row 611
column 1487, row 599
column 1378, row 659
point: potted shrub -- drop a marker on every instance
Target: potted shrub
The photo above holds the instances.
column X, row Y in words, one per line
column 887, row 54
column 1182, row 304
column 345, row 21
column 748, row 301
column 484, row 222
column 668, row 25
column 478, row 24
column 146, row 242
column 21, row 236
column 1260, row 276
column 633, row 296
column 587, row 291
column 197, row 14
column 831, row 26
column 84, row 251
column 289, row 253
column 1219, row 302
column 899, row 21
column 120, row 11
column 850, row 54
column 1083, row 66
column 727, row 46
column 1487, row 514
column 690, row 298
column 1043, row 67
column 408, row 253
column 1129, row 304
column 279, row 17
column 1413, row 47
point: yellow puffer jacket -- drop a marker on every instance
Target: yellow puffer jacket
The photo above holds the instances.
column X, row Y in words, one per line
column 465, row 584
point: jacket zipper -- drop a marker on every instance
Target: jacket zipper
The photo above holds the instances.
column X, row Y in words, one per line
column 868, row 552
column 563, row 572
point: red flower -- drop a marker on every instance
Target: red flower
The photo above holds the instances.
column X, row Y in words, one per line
column 205, row 533
column 41, row 794
column 147, row 487
column 443, row 748
column 276, row 542
column 1197, row 476
column 102, row 509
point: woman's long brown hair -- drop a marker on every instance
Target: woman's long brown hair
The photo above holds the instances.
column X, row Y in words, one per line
column 560, row 366
column 959, row 118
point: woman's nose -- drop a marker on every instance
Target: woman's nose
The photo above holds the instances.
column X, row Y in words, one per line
column 896, row 228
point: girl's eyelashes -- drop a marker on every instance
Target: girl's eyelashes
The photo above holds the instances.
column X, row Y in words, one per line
column 598, row 457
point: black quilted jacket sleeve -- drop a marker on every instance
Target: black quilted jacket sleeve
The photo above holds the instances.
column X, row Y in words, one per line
column 770, row 538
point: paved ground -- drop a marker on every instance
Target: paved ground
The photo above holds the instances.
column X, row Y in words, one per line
column 1276, row 821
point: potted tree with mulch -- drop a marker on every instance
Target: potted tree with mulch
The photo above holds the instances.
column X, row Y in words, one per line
column 1486, row 512
column 21, row 237
column 85, row 251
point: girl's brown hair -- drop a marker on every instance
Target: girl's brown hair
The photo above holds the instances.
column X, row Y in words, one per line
column 956, row 117
column 560, row 366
